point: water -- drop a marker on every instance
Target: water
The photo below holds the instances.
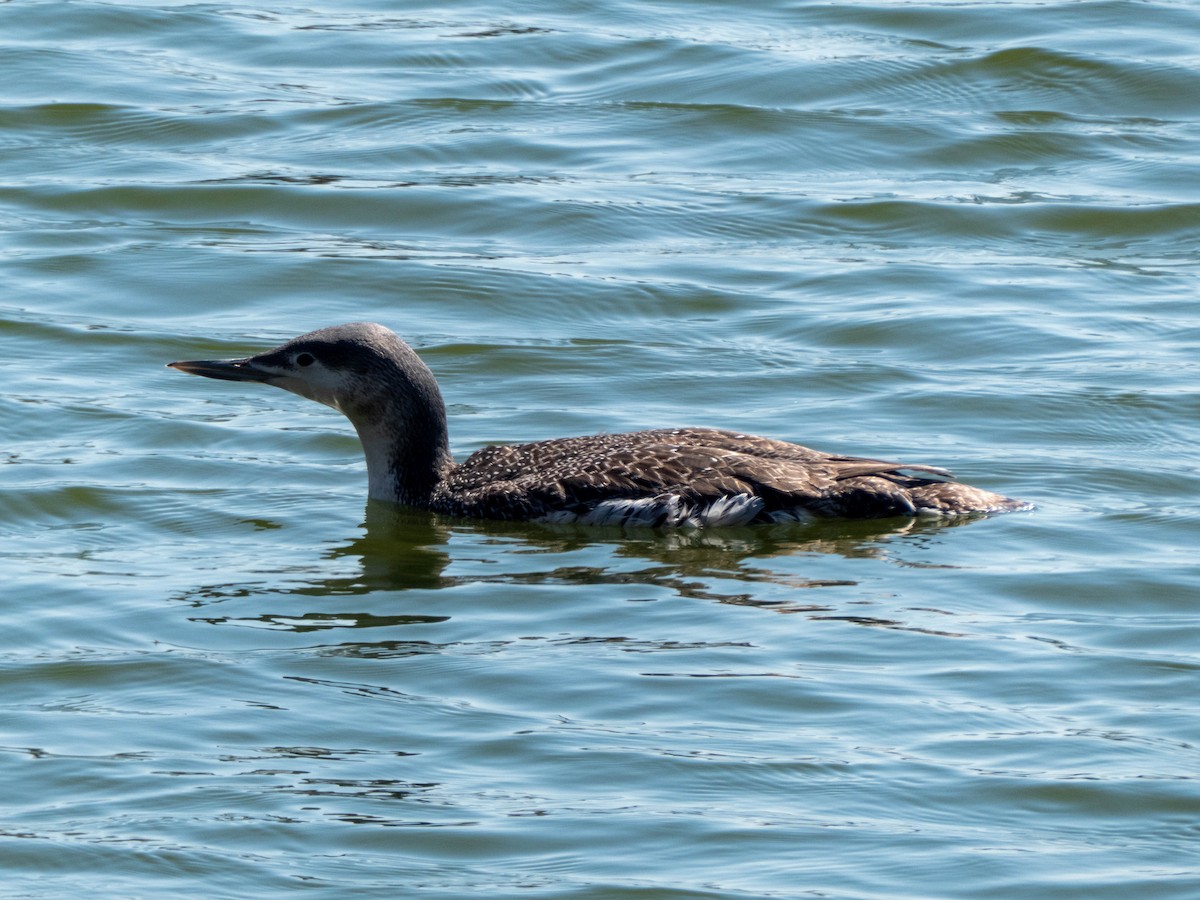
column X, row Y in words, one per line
column 957, row 234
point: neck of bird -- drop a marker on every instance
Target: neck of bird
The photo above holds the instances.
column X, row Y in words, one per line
column 406, row 457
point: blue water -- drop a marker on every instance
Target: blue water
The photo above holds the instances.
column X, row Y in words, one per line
column 955, row 234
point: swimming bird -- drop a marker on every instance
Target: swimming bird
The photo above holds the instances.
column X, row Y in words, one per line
column 664, row 477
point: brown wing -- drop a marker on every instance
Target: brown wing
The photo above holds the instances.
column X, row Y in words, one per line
column 699, row 466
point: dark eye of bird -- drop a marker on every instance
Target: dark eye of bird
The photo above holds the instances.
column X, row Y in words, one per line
column 305, row 359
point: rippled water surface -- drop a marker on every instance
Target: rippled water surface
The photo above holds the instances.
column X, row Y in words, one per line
column 958, row 234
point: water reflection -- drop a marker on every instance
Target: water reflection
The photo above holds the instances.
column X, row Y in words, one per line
column 390, row 530
column 408, row 551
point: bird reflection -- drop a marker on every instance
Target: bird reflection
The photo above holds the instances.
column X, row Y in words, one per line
column 400, row 550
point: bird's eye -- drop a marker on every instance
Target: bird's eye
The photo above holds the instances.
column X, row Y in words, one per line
column 305, row 359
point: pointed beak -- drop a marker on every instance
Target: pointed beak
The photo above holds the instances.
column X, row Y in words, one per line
column 224, row 369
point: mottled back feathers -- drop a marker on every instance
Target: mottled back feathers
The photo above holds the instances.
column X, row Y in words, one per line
column 695, row 476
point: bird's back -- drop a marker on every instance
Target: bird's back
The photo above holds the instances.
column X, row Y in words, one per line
column 695, row 476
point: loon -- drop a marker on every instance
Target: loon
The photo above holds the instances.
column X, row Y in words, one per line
column 681, row 477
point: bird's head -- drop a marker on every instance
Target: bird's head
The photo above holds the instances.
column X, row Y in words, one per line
column 358, row 369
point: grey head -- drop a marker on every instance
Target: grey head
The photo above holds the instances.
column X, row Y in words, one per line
column 378, row 382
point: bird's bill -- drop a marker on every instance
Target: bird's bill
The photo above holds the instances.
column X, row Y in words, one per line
column 224, row 369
